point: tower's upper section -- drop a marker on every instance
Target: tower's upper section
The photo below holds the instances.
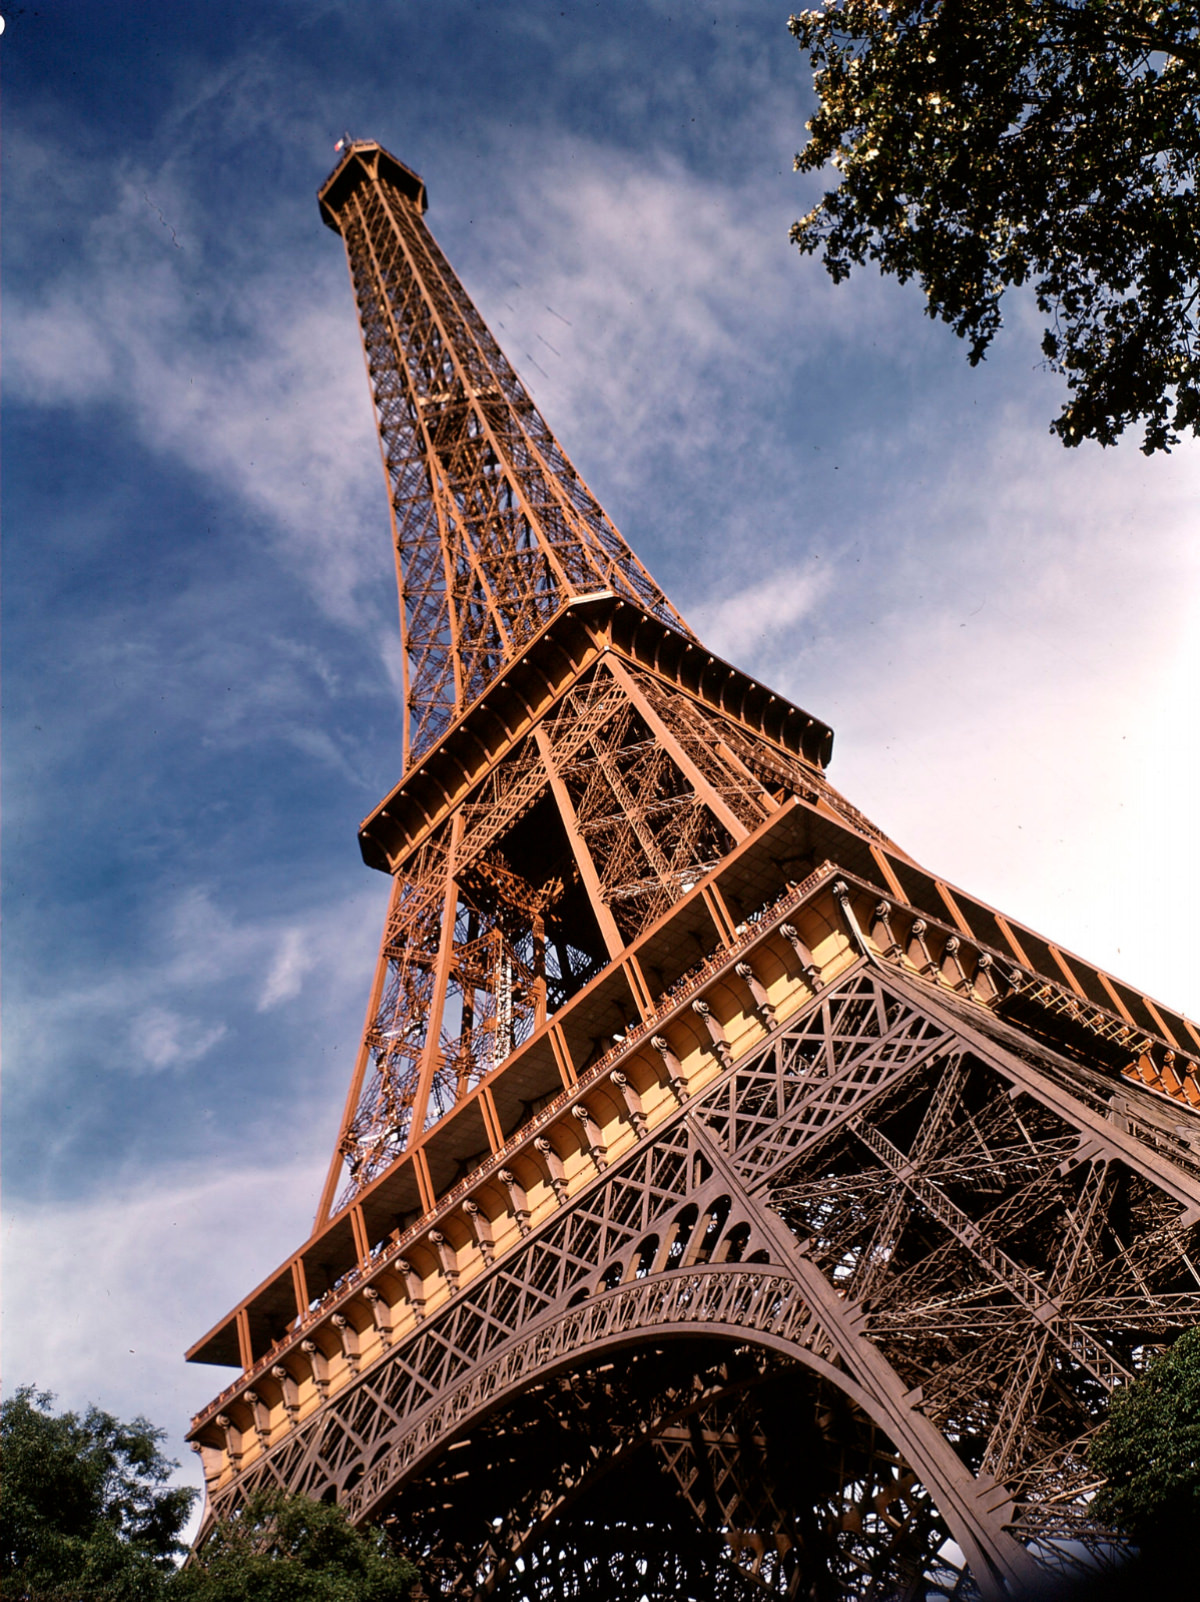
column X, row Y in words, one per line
column 494, row 529
column 363, row 164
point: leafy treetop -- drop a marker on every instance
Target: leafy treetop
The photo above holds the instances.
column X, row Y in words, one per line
column 86, row 1507
column 87, row 1514
column 1148, row 1450
column 988, row 144
column 287, row 1549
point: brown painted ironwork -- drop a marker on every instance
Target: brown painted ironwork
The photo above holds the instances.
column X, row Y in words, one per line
column 494, row 528
column 724, row 1206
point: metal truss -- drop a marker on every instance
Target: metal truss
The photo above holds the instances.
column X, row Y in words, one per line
column 564, row 850
column 495, row 532
column 494, row 528
column 848, row 1319
column 718, row 1210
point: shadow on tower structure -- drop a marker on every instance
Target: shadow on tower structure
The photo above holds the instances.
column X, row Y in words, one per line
column 724, row 1205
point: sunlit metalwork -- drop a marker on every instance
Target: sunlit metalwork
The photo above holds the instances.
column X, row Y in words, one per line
column 724, row 1206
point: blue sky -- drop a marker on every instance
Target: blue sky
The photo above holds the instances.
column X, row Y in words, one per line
column 201, row 650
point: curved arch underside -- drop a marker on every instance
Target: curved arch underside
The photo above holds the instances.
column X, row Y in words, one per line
column 840, row 1328
column 678, row 1468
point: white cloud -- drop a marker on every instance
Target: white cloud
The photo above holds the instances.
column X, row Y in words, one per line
column 257, row 385
column 165, row 1039
column 757, row 622
column 1022, row 707
column 632, row 283
column 101, row 1299
column 62, row 355
column 293, row 960
column 203, row 968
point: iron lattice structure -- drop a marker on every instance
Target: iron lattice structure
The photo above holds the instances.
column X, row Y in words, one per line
column 724, row 1206
column 493, row 527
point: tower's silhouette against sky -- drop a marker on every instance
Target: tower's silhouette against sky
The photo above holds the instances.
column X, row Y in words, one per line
column 723, row 1202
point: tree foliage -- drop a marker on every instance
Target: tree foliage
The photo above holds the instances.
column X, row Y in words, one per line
column 87, row 1514
column 287, row 1549
column 86, row 1507
column 1148, row 1450
column 988, row 144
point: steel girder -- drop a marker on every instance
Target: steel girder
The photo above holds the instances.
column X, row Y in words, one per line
column 882, row 1212
column 494, row 528
column 839, row 1325
column 638, row 792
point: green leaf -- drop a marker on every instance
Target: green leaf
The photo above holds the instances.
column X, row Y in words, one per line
column 982, row 146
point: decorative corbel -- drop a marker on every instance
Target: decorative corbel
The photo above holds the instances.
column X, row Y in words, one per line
column 414, row 1286
column 716, row 1034
column 210, row 1462
column 883, row 934
column 290, row 1390
column 481, row 1228
column 553, row 1165
column 260, row 1416
column 918, row 952
column 381, row 1312
column 517, row 1199
column 593, row 1140
column 633, row 1102
column 841, row 894
column 318, row 1365
column 952, row 971
column 348, row 1336
column 671, row 1063
column 762, row 1003
column 984, row 983
column 1169, row 1074
column 233, row 1438
column 447, row 1257
column 808, row 963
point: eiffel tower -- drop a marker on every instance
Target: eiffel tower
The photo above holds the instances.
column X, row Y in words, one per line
column 725, row 1206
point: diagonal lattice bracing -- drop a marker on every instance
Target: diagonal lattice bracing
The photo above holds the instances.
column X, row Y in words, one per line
column 494, row 528
column 972, row 1333
column 561, row 851
column 723, row 1205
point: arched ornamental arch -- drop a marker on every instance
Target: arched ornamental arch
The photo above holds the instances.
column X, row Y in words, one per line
column 770, row 1349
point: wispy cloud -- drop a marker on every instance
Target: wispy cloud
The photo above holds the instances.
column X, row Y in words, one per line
column 162, row 1038
column 101, row 1298
column 293, row 960
column 650, row 307
column 213, row 1000
column 268, row 403
column 759, row 622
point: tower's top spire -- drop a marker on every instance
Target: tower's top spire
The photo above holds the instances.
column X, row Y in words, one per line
column 364, row 162
column 494, row 528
